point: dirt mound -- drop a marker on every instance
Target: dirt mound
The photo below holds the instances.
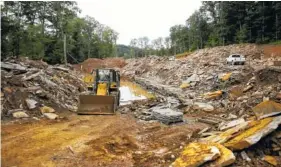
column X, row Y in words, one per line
column 28, row 85
column 92, row 63
column 272, row 50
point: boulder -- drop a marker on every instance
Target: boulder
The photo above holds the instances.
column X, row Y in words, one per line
column 166, row 115
column 20, row 114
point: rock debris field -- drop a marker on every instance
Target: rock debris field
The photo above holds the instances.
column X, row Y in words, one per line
column 201, row 112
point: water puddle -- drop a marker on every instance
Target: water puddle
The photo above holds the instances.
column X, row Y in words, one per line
column 132, row 92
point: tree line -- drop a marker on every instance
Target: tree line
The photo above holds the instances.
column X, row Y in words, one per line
column 219, row 23
column 50, row 30
column 53, row 31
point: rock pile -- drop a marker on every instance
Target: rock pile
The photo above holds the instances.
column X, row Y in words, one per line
column 204, row 77
column 223, row 96
column 29, row 85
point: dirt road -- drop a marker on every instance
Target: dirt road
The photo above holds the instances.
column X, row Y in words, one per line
column 117, row 140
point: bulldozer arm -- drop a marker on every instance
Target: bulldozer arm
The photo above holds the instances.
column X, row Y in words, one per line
column 96, row 104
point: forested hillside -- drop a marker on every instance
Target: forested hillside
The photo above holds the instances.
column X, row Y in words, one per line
column 219, row 23
column 38, row 30
column 48, row 30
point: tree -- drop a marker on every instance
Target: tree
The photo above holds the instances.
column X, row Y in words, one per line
column 133, row 44
column 38, row 29
column 167, row 43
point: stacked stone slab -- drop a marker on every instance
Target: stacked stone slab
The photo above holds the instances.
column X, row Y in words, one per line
column 166, row 115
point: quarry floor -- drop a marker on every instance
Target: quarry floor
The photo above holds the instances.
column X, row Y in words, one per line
column 115, row 140
column 93, row 140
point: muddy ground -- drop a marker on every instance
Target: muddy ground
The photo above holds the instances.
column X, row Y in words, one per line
column 118, row 140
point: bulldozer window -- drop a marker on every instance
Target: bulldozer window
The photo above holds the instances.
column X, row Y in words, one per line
column 104, row 75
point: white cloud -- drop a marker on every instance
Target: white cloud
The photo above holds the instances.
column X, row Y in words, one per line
column 136, row 18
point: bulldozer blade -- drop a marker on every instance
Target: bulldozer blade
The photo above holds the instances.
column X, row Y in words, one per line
column 96, row 104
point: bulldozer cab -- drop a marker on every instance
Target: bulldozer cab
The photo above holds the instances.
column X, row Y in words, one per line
column 104, row 98
column 110, row 77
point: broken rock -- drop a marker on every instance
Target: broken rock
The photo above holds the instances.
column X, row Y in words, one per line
column 254, row 134
column 245, row 156
column 20, row 114
column 213, row 95
column 184, row 85
column 266, row 109
column 226, row 158
column 192, row 78
column 203, row 106
column 227, row 125
column 50, row 115
column 225, row 77
column 31, row 104
column 228, row 134
column 12, row 66
column 248, row 88
column 46, row 109
column 196, row 154
column 167, row 115
column 273, row 160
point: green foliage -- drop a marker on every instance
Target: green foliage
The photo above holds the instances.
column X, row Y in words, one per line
column 241, row 35
column 36, row 29
column 224, row 22
column 275, row 43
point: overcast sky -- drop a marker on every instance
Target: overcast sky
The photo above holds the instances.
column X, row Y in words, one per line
column 137, row 18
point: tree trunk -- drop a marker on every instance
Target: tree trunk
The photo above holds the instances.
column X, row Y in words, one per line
column 276, row 33
column 43, row 30
column 89, row 47
column 201, row 41
column 17, row 54
column 251, row 34
column 188, row 42
column 262, row 21
column 64, row 49
column 89, row 50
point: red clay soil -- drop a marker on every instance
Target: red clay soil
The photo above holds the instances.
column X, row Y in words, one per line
column 272, row 50
column 92, row 63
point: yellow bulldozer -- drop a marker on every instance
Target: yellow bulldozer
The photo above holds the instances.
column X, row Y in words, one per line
column 103, row 96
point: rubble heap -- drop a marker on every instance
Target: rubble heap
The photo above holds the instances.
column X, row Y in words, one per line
column 204, row 78
column 240, row 103
column 29, row 85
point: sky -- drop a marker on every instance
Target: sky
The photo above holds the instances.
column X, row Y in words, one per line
column 138, row 18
